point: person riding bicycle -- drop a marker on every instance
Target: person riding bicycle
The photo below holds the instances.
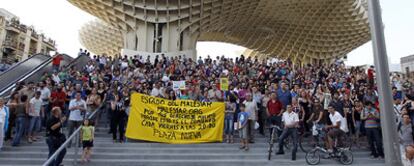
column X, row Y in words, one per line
column 337, row 130
column 318, row 117
column 274, row 112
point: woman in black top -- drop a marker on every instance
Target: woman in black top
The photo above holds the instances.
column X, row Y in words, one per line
column 102, row 91
column 118, row 118
column 126, row 99
column 356, row 119
column 348, row 106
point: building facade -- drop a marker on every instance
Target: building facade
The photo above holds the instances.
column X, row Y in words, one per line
column 19, row 41
column 300, row 30
column 407, row 65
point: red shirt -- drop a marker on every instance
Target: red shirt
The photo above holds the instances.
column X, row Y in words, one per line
column 274, row 107
column 370, row 73
column 60, row 99
column 56, row 60
column 236, row 69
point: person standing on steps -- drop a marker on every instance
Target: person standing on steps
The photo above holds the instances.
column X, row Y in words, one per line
column 118, row 118
column 87, row 135
column 35, row 112
column 373, row 130
column 21, row 112
column 77, row 108
column 55, row 137
column 274, row 112
column 56, row 62
column 251, row 108
column 242, row 122
column 229, row 121
column 290, row 120
column 4, row 117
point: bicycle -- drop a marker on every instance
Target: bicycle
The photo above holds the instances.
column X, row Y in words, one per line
column 343, row 154
column 273, row 138
column 317, row 140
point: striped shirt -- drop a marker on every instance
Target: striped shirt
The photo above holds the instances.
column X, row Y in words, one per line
column 371, row 121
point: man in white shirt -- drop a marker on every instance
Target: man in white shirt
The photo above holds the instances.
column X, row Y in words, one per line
column 251, row 108
column 156, row 91
column 35, row 110
column 338, row 128
column 77, row 108
column 45, row 97
column 290, row 120
column 258, row 97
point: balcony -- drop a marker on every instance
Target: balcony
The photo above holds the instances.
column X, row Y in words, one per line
column 50, row 42
column 35, row 35
column 10, row 44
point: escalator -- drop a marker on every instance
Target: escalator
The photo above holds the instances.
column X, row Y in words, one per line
column 48, row 68
column 79, row 62
column 34, row 68
column 14, row 73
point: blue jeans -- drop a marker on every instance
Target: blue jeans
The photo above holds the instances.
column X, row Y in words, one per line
column 55, row 68
column 20, row 122
column 34, row 124
column 53, row 146
column 229, row 125
column 293, row 132
column 47, row 114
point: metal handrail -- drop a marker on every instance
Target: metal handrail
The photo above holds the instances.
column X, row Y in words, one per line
column 75, row 133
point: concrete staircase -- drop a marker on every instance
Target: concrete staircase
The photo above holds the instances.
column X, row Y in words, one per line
column 107, row 153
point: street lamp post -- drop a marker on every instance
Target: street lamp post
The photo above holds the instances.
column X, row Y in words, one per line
column 389, row 129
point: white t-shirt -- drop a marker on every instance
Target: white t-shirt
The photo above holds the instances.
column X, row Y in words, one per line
column 35, row 106
column 337, row 117
column 124, row 64
column 56, row 78
column 102, row 60
column 165, row 78
column 251, row 108
column 3, row 115
column 290, row 118
column 45, row 94
column 155, row 92
column 75, row 115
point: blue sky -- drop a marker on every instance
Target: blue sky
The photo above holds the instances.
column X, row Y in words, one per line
column 61, row 21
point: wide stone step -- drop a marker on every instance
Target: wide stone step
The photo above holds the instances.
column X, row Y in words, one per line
column 141, row 153
column 148, row 153
column 190, row 162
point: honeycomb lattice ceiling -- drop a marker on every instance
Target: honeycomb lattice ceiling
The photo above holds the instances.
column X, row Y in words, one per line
column 301, row 30
column 101, row 38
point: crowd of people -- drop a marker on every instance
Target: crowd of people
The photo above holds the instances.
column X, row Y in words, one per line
column 340, row 100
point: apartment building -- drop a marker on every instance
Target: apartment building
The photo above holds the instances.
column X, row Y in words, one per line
column 19, row 41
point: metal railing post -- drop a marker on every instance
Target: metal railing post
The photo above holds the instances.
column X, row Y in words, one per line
column 75, row 156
